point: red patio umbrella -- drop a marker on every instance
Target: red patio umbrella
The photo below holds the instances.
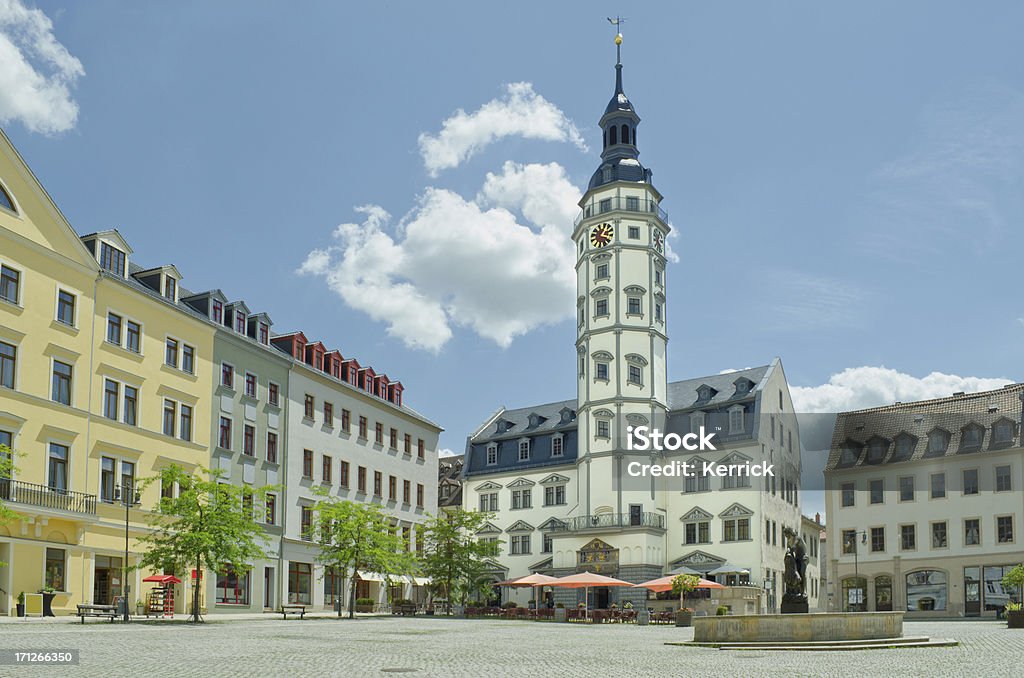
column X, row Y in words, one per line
column 584, row 580
column 163, row 579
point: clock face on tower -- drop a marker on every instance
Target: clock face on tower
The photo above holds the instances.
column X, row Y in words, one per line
column 601, row 235
column 659, row 241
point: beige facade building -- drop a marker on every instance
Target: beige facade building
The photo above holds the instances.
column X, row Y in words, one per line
column 924, row 505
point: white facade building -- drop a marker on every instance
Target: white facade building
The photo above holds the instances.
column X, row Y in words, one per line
column 350, row 435
column 555, row 475
column 924, row 505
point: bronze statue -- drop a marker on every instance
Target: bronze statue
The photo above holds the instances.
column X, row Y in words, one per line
column 794, row 600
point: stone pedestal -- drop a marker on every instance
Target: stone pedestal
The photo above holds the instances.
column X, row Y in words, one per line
column 798, row 627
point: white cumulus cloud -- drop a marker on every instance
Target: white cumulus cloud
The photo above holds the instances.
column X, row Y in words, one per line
column 520, row 112
column 36, row 71
column 859, row 387
column 458, row 262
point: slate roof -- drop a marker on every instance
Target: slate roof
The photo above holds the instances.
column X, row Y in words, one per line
column 853, row 430
column 682, row 396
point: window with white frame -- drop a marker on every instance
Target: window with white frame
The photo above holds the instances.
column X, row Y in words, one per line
column 66, row 308
column 10, row 285
column 524, row 450
column 697, row 532
column 489, row 501
column 556, row 445
column 635, row 375
column 522, row 499
column 492, row 455
column 604, row 428
column 554, row 495
column 736, row 419
column 520, row 545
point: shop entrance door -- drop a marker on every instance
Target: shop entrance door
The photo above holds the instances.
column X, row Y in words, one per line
column 106, row 580
column 268, row 588
column 972, row 592
column 601, row 598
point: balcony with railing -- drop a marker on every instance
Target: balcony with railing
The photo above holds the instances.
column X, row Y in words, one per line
column 613, row 521
column 626, row 204
column 41, row 496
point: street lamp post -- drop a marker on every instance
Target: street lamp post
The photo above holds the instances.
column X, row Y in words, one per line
column 125, row 496
column 852, row 541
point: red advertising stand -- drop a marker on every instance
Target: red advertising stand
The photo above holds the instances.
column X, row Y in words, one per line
column 161, row 599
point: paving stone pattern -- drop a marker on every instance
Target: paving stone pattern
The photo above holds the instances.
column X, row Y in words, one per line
column 383, row 646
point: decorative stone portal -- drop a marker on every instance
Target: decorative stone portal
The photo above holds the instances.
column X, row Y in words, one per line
column 783, row 628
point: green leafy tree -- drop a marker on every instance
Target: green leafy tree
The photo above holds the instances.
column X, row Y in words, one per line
column 355, row 536
column 453, row 557
column 1014, row 580
column 6, row 471
column 209, row 525
column 683, row 584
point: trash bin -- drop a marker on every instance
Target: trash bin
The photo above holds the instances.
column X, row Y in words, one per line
column 122, row 606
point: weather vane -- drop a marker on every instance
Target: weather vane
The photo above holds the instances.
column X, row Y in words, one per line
column 617, row 22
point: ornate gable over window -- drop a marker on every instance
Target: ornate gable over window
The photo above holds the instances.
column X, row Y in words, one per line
column 735, row 458
column 487, row 486
column 521, row 482
column 520, row 526
column 552, row 525
column 737, row 510
column 554, row 479
column 489, row 528
column 695, row 514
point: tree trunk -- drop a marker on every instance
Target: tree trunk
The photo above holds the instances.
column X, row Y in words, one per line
column 195, row 592
column 351, row 596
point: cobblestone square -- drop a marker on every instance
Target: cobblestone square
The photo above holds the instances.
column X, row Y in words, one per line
column 379, row 646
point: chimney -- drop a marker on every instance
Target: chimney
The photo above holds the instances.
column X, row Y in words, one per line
column 817, row 518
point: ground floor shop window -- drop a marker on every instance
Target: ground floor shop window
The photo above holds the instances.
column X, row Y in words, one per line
column 232, row 587
column 995, row 596
column 926, row 590
column 332, row 586
column 855, row 594
column 300, row 580
column 55, row 560
column 883, row 593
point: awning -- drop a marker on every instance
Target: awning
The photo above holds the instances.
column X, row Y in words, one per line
column 370, row 576
column 729, row 568
column 162, row 579
column 418, row 581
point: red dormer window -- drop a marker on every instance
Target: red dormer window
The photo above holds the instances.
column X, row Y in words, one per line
column 264, row 333
column 239, row 322
column 298, row 350
column 218, row 312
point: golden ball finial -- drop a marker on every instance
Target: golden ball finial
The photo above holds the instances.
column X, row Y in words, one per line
column 618, row 39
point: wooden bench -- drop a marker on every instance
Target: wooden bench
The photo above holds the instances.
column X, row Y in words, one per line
column 97, row 611
column 293, row 609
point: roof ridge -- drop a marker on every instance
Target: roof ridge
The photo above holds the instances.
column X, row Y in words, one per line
column 950, row 398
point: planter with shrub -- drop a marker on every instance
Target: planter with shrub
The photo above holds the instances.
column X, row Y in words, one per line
column 681, row 585
column 722, row 611
column 364, row 604
column 1014, row 579
column 21, row 604
column 560, row 612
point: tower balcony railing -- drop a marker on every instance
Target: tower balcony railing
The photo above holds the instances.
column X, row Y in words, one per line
column 42, row 496
column 623, row 204
column 604, row 521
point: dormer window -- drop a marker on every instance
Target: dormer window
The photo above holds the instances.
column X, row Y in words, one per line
column 904, row 447
column 264, row 333
column 850, row 454
column 696, row 422
column 877, row 447
column 556, row 445
column 239, row 322
column 492, row 454
column 971, row 437
column 170, row 288
column 112, row 259
column 1002, row 432
column 938, row 442
column 524, row 450
column 218, row 312
column 705, row 393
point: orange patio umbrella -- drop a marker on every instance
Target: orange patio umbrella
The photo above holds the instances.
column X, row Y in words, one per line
column 584, row 580
column 536, row 579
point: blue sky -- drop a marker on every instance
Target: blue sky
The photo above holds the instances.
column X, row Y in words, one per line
column 845, row 181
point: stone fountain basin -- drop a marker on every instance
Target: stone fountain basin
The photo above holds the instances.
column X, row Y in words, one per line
column 782, row 628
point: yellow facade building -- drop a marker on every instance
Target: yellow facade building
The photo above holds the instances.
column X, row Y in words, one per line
column 105, row 377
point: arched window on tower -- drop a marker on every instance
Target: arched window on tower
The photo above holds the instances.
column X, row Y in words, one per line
column 612, row 132
column 625, row 134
